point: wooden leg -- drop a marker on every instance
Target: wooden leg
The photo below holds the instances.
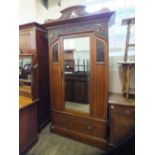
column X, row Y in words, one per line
column 126, row 80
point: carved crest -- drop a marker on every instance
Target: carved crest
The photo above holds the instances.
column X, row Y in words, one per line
column 73, row 12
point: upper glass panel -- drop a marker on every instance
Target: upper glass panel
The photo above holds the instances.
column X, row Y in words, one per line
column 100, row 51
column 55, row 53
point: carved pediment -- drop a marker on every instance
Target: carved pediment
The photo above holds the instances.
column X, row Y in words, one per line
column 75, row 12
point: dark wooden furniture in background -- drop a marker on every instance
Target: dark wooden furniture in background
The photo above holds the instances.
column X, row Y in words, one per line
column 122, row 118
column 76, row 87
column 28, row 127
column 89, row 127
column 28, row 100
column 33, row 40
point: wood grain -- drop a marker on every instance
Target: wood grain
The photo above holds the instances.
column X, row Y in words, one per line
column 27, row 127
column 24, row 101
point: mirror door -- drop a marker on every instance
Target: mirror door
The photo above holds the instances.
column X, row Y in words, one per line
column 79, row 74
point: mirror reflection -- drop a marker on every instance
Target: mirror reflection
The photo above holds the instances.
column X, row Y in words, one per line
column 25, row 75
column 76, row 73
column 25, row 64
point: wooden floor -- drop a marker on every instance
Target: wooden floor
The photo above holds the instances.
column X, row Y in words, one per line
column 52, row 144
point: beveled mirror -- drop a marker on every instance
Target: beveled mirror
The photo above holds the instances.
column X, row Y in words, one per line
column 76, row 60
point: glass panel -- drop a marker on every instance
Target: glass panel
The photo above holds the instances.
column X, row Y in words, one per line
column 25, row 75
column 76, row 73
column 25, row 65
column 100, row 51
column 55, row 53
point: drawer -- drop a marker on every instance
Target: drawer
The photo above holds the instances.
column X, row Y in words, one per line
column 123, row 124
column 80, row 124
column 120, row 129
column 123, row 110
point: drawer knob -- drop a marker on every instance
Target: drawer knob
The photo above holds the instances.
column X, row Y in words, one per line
column 112, row 107
column 89, row 127
column 128, row 112
column 52, row 127
column 63, row 120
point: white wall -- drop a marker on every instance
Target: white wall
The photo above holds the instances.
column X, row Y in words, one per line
column 27, row 11
column 82, row 50
column 117, row 38
column 41, row 12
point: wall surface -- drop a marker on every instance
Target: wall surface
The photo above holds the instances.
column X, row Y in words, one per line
column 27, row 11
column 34, row 10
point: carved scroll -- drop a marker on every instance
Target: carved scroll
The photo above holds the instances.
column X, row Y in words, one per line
column 99, row 27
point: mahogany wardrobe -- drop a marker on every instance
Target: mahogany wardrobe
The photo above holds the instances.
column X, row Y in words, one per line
column 78, row 61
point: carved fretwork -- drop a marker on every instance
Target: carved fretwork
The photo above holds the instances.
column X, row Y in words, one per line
column 98, row 27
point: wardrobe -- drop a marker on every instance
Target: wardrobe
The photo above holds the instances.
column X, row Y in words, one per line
column 34, row 69
column 78, row 61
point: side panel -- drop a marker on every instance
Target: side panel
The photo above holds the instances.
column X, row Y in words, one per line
column 55, row 78
column 100, row 81
column 43, row 67
column 27, row 127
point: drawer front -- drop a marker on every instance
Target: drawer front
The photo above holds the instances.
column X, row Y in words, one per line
column 122, row 123
column 123, row 127
column 123, row 110
column 83, row 125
